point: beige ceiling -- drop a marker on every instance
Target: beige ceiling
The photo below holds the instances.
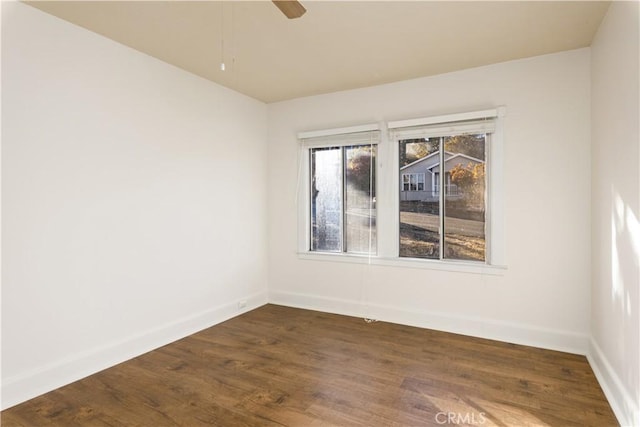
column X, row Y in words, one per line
column 336, row 45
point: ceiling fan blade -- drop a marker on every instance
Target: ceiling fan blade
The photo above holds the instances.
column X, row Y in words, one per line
column 291, row 8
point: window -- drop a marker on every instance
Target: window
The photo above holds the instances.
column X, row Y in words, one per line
column 342, row 199
column 429, row 190
column 448, row 222
column 412, row 182
column 342, row 193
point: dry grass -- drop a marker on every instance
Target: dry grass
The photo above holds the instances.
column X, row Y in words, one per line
column 464, row 247
column 416, row 243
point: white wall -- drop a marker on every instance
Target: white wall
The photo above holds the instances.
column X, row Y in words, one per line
column 615, row 318
column 123, row 228
column 543, row 297
column 125, row 224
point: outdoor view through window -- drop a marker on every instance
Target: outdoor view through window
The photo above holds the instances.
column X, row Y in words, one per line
column 343, row 214
column 442, row 197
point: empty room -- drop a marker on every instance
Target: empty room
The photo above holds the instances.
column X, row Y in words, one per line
column 320, row 213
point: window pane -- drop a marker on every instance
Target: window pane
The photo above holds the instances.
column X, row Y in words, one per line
column 420, row 209
column 464, row 205
column 360, row 193
column 326, row 199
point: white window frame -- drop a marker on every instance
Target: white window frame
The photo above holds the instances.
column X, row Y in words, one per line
column 339, row 137
column 388, row 196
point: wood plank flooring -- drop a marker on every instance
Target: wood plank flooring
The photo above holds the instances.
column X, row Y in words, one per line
column 279, row 366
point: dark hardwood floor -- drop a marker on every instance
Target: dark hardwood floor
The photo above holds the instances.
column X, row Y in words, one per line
column 284, row 366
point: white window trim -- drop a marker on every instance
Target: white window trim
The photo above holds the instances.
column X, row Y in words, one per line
column 426, row 264
column 388, row 194
column 338, row 131
column 448, row 118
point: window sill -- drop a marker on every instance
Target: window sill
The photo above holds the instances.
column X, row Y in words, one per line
column 454, row 266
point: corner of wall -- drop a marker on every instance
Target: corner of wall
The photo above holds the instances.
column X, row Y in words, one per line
column 23, row 387
column 614, row 345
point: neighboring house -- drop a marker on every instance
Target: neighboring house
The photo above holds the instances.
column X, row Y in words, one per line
column 420, row 180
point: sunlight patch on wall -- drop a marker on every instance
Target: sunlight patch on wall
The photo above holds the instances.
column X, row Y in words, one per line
column 625, row 248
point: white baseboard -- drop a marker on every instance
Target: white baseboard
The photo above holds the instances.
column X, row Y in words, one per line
column 20, row 388
column 478, row 327
column 625, row 407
